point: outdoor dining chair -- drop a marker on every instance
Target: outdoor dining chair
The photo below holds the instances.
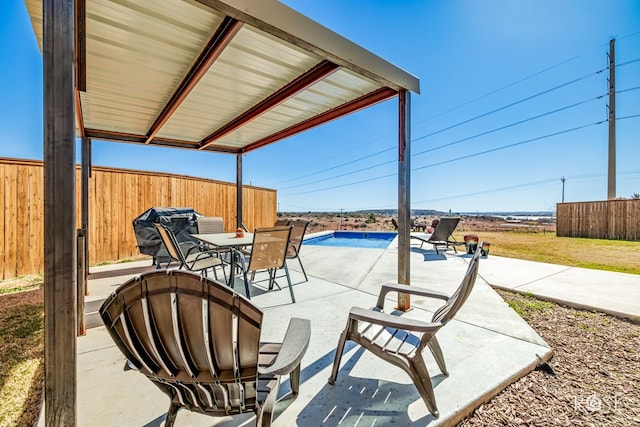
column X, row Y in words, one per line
column 281, row 222
column 195, row 259
column 297, row 235
column 210, row 224
column 268, row 254
column 199, row 342
column 400, row 340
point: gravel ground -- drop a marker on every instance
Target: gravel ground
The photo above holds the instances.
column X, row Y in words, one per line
column 594, row 378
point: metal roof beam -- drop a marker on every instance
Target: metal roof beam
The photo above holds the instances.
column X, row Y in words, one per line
column 106, row 135
column 357, row 104
column 218, row 42
column 302, row 82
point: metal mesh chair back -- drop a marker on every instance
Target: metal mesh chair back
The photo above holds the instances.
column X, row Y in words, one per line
column 297, row 235
column 170, row 242
column 210, row 225
column 269, row 250
column 281, row 222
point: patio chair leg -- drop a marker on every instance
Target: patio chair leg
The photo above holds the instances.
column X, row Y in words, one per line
column 338, row 356
column 171, row 414
column 246, row 284
column 420, row 376
column 224, row 273
column 306, row 279
column 294, row 379
column 286, row 270
column 434, row 346
column 272, row 279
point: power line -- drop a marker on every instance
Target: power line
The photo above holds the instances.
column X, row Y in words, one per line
column 509, row 145
column 444, row 145
column 533, row 184
column 452, row 143
column 628, row 117
column 437, row 115
column 340, row 176
column 464, row 104
column 520, row 186
column 462, row 140
column 628, row 62
column 510, row 125
column 332, row 168
column 455, row 159
column 467, row 121
column 544, row 92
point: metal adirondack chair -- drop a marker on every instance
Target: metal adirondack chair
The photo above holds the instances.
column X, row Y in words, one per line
column 199, row 342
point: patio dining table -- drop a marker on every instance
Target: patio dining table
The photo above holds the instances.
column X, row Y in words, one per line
column 227, row 241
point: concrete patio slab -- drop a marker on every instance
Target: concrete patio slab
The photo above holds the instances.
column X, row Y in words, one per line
column 609, row 292
column 486, row 347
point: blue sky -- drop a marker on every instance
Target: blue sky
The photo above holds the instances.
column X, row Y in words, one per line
column 511, row 102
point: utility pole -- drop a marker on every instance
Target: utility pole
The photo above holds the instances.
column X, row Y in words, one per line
column 562, row 179
column 611, row 183
column 340, row 219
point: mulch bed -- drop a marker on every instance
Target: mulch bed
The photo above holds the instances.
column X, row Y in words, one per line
column 595, row 379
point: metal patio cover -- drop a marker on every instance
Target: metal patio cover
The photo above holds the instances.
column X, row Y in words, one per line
column 215, row 75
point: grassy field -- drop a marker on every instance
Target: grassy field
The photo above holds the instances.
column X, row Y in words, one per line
column 610, row 255
column 22, row 314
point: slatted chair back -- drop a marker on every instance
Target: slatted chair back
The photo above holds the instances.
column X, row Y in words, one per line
column 193, row 337
column 459, row 297
column 210, row 225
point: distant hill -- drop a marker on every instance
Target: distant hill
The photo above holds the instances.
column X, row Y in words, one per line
column 433, row 212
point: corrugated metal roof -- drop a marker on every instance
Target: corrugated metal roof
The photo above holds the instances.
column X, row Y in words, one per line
column 220, row 75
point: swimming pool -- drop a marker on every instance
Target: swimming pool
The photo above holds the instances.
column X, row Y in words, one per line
column 353, row 239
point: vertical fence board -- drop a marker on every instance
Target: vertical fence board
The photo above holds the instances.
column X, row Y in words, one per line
column 23, row 254
column 10, row 213
column 36, row 219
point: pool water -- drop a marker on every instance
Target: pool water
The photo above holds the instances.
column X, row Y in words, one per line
column 353, row 239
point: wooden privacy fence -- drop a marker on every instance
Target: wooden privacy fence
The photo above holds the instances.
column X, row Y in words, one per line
column 116, row 197
column 610, row 219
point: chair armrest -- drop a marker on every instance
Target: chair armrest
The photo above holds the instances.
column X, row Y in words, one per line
column 295, row 251
column 388, row 320
column 199, row 254
column 294, row 346
column 406, row 289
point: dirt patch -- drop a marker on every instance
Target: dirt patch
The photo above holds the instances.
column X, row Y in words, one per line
column 595, row 378
column 21, row 355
